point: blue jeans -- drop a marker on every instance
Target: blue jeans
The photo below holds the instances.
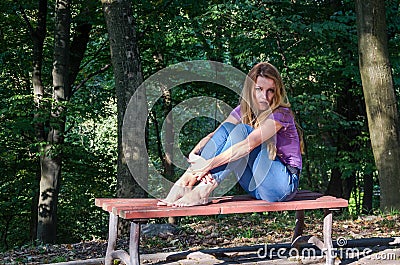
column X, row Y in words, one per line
column 259, row 176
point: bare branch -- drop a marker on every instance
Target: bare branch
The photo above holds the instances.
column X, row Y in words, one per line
column 101, row 70
column 26, row 19
column 95, row 54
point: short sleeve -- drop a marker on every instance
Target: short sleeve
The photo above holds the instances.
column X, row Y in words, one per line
column 283, row 116
column 236, row 113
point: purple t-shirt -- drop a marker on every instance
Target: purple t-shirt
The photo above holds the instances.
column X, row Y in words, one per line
column 287, row 138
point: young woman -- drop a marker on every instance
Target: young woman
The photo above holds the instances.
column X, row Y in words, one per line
column 259, row 142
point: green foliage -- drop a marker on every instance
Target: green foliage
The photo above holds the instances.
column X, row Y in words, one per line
column 90, row 141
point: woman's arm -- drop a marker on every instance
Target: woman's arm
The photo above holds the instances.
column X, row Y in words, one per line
column 239, row 150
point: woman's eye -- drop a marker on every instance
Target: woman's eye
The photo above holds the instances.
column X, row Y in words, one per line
column 270, row 90
column 258, row 88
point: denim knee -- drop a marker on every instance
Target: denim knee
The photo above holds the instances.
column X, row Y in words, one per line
column 245, row 128
column 225, row 137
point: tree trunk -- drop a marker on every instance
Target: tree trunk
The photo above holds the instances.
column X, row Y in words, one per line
column 78, row 49
column 368, row 193
column 335, row 183
column 52, row 153
column 168, row 121
column 38, row 35
column 128, row 76
column 380, row 99
column 348, row 107
column 168, row 134
column 348, row 184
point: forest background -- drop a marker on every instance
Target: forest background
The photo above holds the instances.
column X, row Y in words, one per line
column 313, row 43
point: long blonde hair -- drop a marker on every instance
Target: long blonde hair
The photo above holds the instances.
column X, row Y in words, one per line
column 250, row 114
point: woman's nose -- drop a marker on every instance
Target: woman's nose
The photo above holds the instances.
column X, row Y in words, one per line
column 264, row 94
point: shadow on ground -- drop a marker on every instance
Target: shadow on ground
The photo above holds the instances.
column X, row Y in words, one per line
column 359, row 251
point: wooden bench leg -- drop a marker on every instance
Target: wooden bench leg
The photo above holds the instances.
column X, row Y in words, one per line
column 111, row 253
column 328, row 245
column 299, row 228
column 298, row 240
column 134, row 241
column 112, row 238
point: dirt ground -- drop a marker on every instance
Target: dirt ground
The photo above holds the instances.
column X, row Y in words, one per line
column 236, row 239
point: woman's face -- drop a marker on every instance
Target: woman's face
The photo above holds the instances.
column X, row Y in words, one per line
column 263, row 93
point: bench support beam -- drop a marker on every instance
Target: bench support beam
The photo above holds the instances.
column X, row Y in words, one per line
column 299, row 228
column 328, row 245
column 134, row 241
column 112, row 238
column 131, row 258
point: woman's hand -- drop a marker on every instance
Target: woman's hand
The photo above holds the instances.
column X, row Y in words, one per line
column 205, row 178
column 197, row 163
column 193, row 153
column 200, row 167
